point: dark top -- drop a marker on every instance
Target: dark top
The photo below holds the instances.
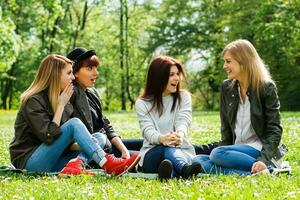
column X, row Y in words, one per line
column 95, row 108
column 88, row 108
column 34, row 126
column 264, row 114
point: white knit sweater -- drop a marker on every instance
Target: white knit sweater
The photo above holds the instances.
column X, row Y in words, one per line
column 152, row 125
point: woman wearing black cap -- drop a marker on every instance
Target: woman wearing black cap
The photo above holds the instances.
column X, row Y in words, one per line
column 87, row 102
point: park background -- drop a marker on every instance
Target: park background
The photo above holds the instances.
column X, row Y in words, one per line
column 126, row 34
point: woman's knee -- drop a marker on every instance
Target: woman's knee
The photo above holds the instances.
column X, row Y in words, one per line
column 169, row 149
column 74, row 122
column 71, row 126
column 217, row 154
column 200, row 158
column 100, row 139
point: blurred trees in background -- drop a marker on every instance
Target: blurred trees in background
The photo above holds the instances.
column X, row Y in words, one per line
column 126, row 34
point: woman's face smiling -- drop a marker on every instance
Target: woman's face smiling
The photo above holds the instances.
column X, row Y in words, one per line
column 174, row 78
column 232, row 67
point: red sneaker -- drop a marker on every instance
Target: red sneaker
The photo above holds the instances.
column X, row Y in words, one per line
column 118, row 166
column 75, row 167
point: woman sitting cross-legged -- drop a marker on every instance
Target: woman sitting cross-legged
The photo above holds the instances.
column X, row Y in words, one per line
column 250, row 118
column 165, row 112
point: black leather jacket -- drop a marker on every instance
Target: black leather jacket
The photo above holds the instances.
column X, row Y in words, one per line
column 265, row 117
column 82, row 111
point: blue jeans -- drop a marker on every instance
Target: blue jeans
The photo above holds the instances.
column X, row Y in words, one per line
column 157, row 154
column 52, row 157
column 133, row 145
column 232, row 159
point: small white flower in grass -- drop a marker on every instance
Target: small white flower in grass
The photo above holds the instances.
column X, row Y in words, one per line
column 188, row 182
column 167, row 187
column 291, row 194
column 91, row 194
column 7, row 179
column 55, row 180
column 256, row 194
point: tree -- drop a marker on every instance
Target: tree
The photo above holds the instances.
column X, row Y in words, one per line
column 123, row 49
column 277, row 28
column 9, row 49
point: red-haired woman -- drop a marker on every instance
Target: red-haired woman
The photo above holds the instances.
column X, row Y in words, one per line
column 164, row 111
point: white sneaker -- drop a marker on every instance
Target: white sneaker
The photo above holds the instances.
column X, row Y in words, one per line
column 287, row 170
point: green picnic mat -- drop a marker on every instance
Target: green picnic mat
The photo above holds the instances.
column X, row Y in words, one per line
column 8, row 169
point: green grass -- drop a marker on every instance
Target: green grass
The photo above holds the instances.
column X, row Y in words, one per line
column 205, row 128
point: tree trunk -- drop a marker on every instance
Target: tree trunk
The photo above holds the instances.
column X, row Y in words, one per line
column 128, row 86
column 122, row 55
column 81, row 21
column 53, row 34
column 7, row 87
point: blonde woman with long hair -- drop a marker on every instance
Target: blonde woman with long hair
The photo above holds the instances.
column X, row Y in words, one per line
column 250, row 117
column 44, row 128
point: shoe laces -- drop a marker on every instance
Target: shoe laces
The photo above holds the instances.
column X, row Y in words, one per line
column 81, row 162
column 114, row 158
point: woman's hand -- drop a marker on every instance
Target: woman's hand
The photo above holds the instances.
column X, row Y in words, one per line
column 117, row 142
column 258, row 166
column 171, row 139
column 178, row 138
column 125, row 154
column 63, row 99
column 65, row 96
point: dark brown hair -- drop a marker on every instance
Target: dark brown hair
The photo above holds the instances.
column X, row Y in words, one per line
column 88, row 62
column 157, row 80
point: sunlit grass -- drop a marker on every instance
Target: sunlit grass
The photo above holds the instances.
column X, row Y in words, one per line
column 205, row 128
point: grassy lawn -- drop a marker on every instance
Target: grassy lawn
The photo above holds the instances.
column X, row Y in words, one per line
column 205, row 128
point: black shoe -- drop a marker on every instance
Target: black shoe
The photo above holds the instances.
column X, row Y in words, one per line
column 191, row 170
column 165, row 169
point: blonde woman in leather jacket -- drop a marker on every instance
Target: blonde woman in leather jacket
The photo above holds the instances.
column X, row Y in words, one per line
column 250, row 117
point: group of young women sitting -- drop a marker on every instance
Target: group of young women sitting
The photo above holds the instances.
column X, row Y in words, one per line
column 60, row 126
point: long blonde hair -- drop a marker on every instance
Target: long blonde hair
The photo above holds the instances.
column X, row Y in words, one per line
column 48, row 77
column 252, row 66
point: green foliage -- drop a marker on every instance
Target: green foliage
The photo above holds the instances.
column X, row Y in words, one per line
column 207, row 26
column 278, row 26
column 9, row 44
column 204, row 129
column 185, row 29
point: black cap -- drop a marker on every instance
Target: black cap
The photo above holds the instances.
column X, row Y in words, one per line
column 79, row 53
